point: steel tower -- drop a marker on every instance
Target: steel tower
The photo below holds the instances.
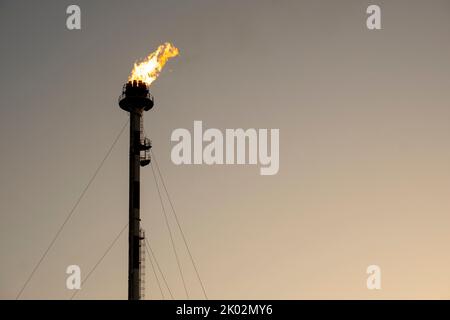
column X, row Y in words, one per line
column 135, row 99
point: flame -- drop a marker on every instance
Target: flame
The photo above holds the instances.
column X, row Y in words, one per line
column 150, row 68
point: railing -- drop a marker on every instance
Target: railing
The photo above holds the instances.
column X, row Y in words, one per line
column 142, row 264
column 124, row 95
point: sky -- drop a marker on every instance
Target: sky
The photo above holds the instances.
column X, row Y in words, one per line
column 364, row 120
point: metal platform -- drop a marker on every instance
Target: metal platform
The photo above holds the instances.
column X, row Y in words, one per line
column 136, row 96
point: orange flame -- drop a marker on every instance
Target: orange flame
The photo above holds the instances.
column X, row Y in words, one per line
column 150, row 68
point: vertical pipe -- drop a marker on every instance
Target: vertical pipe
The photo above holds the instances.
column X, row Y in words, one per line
column 134, row 203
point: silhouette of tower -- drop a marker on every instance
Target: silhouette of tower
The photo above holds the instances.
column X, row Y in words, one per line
column 135, row 99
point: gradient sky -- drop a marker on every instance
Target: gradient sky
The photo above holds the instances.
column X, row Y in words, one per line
column 364, row 119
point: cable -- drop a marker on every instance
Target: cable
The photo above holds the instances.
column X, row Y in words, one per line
column 179, row 225
column 71, row 211
column 154, row 271
column 170, row 232
column 157, row 265
column 101, row 259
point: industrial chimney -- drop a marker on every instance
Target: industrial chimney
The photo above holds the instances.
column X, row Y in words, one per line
column 135, row 99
